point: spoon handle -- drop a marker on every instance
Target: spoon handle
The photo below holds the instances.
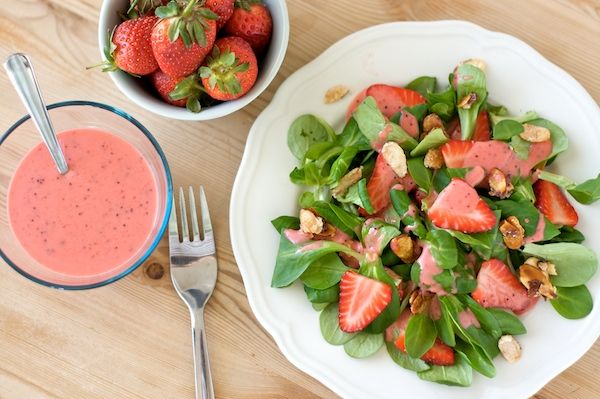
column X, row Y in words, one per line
column 21, row 74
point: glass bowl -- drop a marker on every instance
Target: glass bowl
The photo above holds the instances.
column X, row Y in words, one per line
column 21, row 137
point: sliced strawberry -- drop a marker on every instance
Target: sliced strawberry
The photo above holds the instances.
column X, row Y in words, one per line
column 356, row 101
column 397, row 327
column 498, row 287
column 551, row 201
column 455, row 152
column 440, row 354
column 362, row 299
column 482, row 127
column 391, row 99
column 380, row 184
column 409, row 123
column 459, row 207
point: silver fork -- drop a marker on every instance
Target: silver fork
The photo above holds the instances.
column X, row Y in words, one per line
column 194, row 275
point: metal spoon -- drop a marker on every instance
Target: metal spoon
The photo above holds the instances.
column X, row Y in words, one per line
column 20, row 73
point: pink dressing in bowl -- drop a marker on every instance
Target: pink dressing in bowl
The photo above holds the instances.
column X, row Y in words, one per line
column 97, row 217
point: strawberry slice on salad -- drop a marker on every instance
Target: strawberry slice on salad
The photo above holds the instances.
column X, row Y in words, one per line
column 553, row 203
column 362, row 299
column 392, row 99
column 497, row 287
column 440, row 354
column 459, row 207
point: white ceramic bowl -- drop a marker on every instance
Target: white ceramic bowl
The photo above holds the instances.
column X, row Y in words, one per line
column 139, row 93
column 518, row 77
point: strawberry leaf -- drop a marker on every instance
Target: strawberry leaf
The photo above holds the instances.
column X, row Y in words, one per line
column 168, row 11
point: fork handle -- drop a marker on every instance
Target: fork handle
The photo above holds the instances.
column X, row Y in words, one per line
column 203, row 379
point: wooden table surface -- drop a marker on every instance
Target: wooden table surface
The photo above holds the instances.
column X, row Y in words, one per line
column 131, row 339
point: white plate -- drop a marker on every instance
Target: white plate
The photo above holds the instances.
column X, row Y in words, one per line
column 519, row 78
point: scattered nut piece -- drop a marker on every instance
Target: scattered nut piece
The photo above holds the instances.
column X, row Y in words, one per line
column 513, row 233
column 395, row 157
column 510, row 348
column 403, row 247
column 431, row 122
column 336, row 93
column 310, row 223
column 536, row 281
column 500, row 186
column 434, row 159
column 534, row 134
column 419, row 301
column 532, row 260
column 346, row 181
column 467, row 101
column 475, row 62
column 548, row 268
column 328, row 231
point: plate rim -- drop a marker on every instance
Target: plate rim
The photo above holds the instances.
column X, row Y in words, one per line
column 255, row 138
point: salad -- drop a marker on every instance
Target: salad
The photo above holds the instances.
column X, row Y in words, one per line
column 429, row 224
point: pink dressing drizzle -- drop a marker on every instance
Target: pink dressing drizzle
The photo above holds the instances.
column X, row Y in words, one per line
column 429, row 269
column 538, row 235
column 468, row 319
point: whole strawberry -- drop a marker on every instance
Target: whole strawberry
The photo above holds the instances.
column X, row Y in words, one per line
column 181, row 92
column 183, row 37
column 231, row 70
column 251, row 20
column 129, row 47
column 223, row 8
column 142, row 7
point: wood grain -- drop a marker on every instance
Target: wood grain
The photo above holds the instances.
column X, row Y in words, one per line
column 131, row 339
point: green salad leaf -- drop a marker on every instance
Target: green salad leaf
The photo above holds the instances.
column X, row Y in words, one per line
column 560, row 142
column 420, row 174
column 327, row 295
column 575, row 264
column 470, row 82
column 573, row 302
column 405, row 361
column 324, row 272
column 507, row 321
column 330, row 326
column 423, row 85
column 443, row 248
column 363, row 345
column 285, row 222
column 459, row 374
column 305, row 131
column 443, row 103
column 420, row 335
column 434, row 139
column 506, row 129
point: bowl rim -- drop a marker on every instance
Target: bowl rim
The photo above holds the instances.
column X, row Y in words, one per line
column 173, row 112
column 169, row 197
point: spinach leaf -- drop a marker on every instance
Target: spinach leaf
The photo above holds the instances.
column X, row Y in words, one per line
column 327, row 295
column 319, row 306
column 508, row 322
column 420, row 174
column 377, row 234
column 401, row 203
column 477, row 358
column 587, row 192
column 575, row 264
column 308, row 175
column 330, row 326
column 470, row 81
column 550, row 230
column 391, row 312
column 486, row 319
column 343, row 220
column 498, row 110
column 506, row 129
column 352, row 137
column 459, row 374
column 442, row 103
column 363, row 345
column 443, row 248
column 420, row 335
column 402, row 270
column 286, row 222
column 520, row 147
column 306, row 199
column 306, row 130
column 526, row 117
column 294, row 259
column 363, row 194
column 423, row 85
column 415, row 273
column 434, row 139
column 341, row 164
column 442, row 177
column 324, row 272
column 560, row 142
column 559, row 180
column 523, row 190
column 372, row 123
column 316, row 150
column 527, row 214
column 405, row 361
column 573, row 302
column 445, row 330
column 569, row 234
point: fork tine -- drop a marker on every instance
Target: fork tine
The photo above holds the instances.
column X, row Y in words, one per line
column 185, row 232
column 173, row 229
column 206, row 225
column 194, row 216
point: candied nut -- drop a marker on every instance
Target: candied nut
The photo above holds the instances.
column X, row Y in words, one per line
column 328, row 231
column 510, row 348
column 475, row 62
column 419, row 301
column 310, row 223
column 434, row 159
column 536, row 281
column 403, row 247
column 500, row 186
column 346, row 181
column 532, row 260
column 335, row 93
column 467, row 101
column 548, row 268
column 513, row 233
column 431, row 122
column 395, row 157
column 534, row 134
